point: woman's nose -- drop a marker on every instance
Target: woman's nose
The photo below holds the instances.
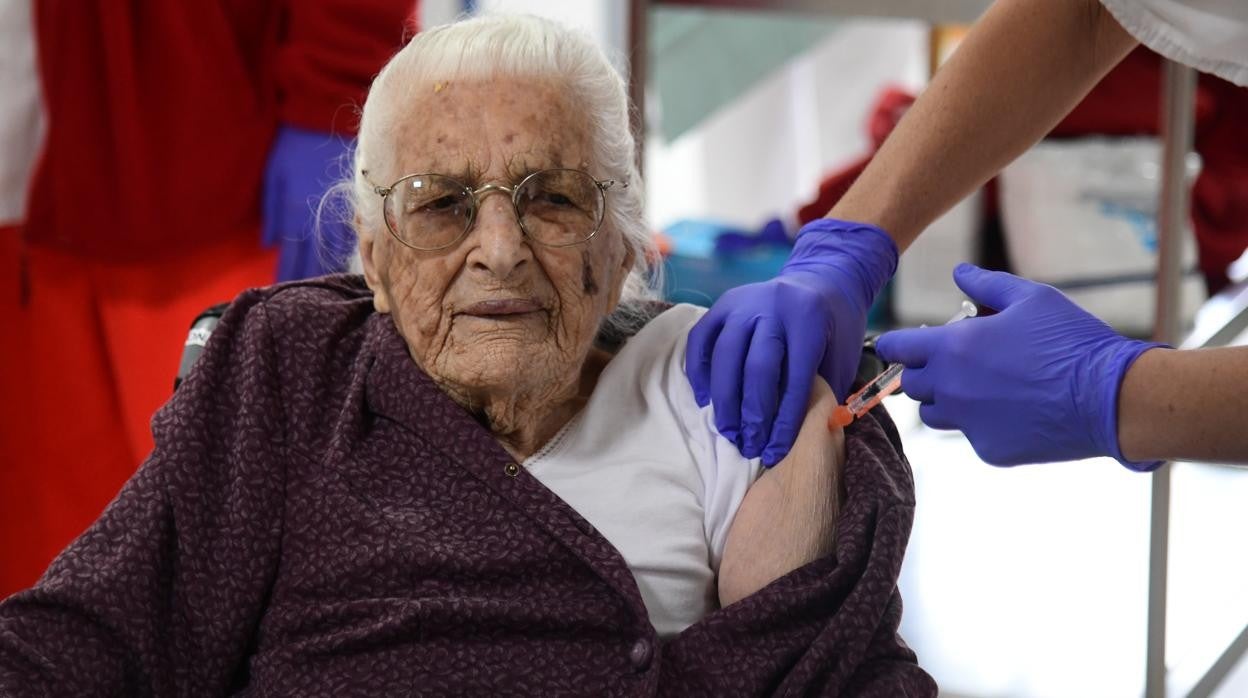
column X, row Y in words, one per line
column 501, row 247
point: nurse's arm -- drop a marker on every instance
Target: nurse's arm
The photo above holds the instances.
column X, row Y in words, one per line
column 1022, row 67
column 788, row 516
column 1185, row 404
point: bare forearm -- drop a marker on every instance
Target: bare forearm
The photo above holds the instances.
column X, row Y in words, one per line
column 1189, row 405
column 788, row 517
column 1023, row 67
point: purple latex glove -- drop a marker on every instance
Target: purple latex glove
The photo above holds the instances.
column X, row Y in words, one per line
column 755, row 354
column 301, row 168
column 1037, row 382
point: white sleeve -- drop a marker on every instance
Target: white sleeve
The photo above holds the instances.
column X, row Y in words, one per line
column 1209, row 35
column 726, row 474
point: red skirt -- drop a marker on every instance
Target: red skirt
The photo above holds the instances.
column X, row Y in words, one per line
column 88, row 352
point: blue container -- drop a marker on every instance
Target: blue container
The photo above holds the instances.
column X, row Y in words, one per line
column 696, row 273
column 699, row 273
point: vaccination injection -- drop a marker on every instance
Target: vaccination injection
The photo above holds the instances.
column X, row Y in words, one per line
column 882, row 385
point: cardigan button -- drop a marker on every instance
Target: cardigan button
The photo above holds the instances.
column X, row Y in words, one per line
column 641, row 654
column 511, row 469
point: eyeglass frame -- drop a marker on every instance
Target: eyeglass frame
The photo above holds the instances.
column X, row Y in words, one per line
column 483, row 191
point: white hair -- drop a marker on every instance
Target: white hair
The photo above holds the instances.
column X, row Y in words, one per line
column 497, row 45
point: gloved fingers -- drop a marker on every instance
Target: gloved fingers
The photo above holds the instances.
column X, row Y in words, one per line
column 996, row 289
column 274, row 196
column 727, row 366
column 313, row 262
column 936, row 417
column 919, row 384
column 699, row 351
column 760, row 385
column 336, row 240
column 912, row 347
column 325, row 254
column 839, row 365
column 290, row 261
column 801, row 360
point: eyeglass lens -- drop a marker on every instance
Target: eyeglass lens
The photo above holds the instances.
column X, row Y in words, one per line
column 555, row 207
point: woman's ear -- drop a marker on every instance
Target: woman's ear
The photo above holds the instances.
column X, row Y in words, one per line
column 626, row 268
column 630, row 257
column 370, row 254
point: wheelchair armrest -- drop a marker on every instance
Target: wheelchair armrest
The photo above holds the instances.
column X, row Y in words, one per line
column 196, row 339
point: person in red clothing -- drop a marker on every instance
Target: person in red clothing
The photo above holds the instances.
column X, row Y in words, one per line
column 176, row 133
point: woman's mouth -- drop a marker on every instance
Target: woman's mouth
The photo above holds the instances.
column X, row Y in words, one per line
column 502, row 308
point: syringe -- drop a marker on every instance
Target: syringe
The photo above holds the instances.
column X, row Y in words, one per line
column 882, row 385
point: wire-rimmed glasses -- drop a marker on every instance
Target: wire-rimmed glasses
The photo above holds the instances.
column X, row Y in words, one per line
column 555, row 207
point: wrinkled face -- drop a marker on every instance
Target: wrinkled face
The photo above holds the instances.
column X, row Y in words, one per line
column 495, row 313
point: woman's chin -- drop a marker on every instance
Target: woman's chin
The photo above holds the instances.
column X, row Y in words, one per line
column 500, row 368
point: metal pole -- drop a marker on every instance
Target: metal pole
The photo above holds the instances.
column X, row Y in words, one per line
column 1221, row 667
column 638, row 69
column 1158, row 556
column 1177, row 122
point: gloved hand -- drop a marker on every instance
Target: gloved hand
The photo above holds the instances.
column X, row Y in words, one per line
column 300, row 170
column 1035, row 383
column 755, row 354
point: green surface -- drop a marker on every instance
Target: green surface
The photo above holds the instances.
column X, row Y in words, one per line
column 702, row 60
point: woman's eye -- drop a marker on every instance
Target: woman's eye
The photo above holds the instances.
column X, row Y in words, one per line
column 443, row 204
column 557, row 199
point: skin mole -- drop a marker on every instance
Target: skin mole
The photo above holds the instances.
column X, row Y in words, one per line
column 588, row 282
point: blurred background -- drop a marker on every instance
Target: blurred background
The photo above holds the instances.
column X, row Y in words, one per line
column 157, row 160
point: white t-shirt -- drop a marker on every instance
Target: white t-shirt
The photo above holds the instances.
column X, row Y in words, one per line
column 646, row 466
column 1209, row 35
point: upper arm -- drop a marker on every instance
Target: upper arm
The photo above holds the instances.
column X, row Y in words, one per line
column 788, row 516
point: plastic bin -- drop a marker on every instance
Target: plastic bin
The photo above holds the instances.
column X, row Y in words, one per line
column 1081, row 215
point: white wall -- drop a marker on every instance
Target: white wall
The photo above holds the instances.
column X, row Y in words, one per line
column 766, row 153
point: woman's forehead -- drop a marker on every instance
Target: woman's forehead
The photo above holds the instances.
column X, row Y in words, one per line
column 496, row 127
column 469, row 170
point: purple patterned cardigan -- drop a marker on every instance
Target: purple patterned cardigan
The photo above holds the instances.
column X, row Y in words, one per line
column 318, row 518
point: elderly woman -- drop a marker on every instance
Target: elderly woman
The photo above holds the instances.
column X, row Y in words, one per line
column 450, row 476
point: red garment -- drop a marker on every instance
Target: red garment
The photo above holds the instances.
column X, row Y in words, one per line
column 83, row 364
column 887, row 111
column 143, row 210
column 161, row 113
